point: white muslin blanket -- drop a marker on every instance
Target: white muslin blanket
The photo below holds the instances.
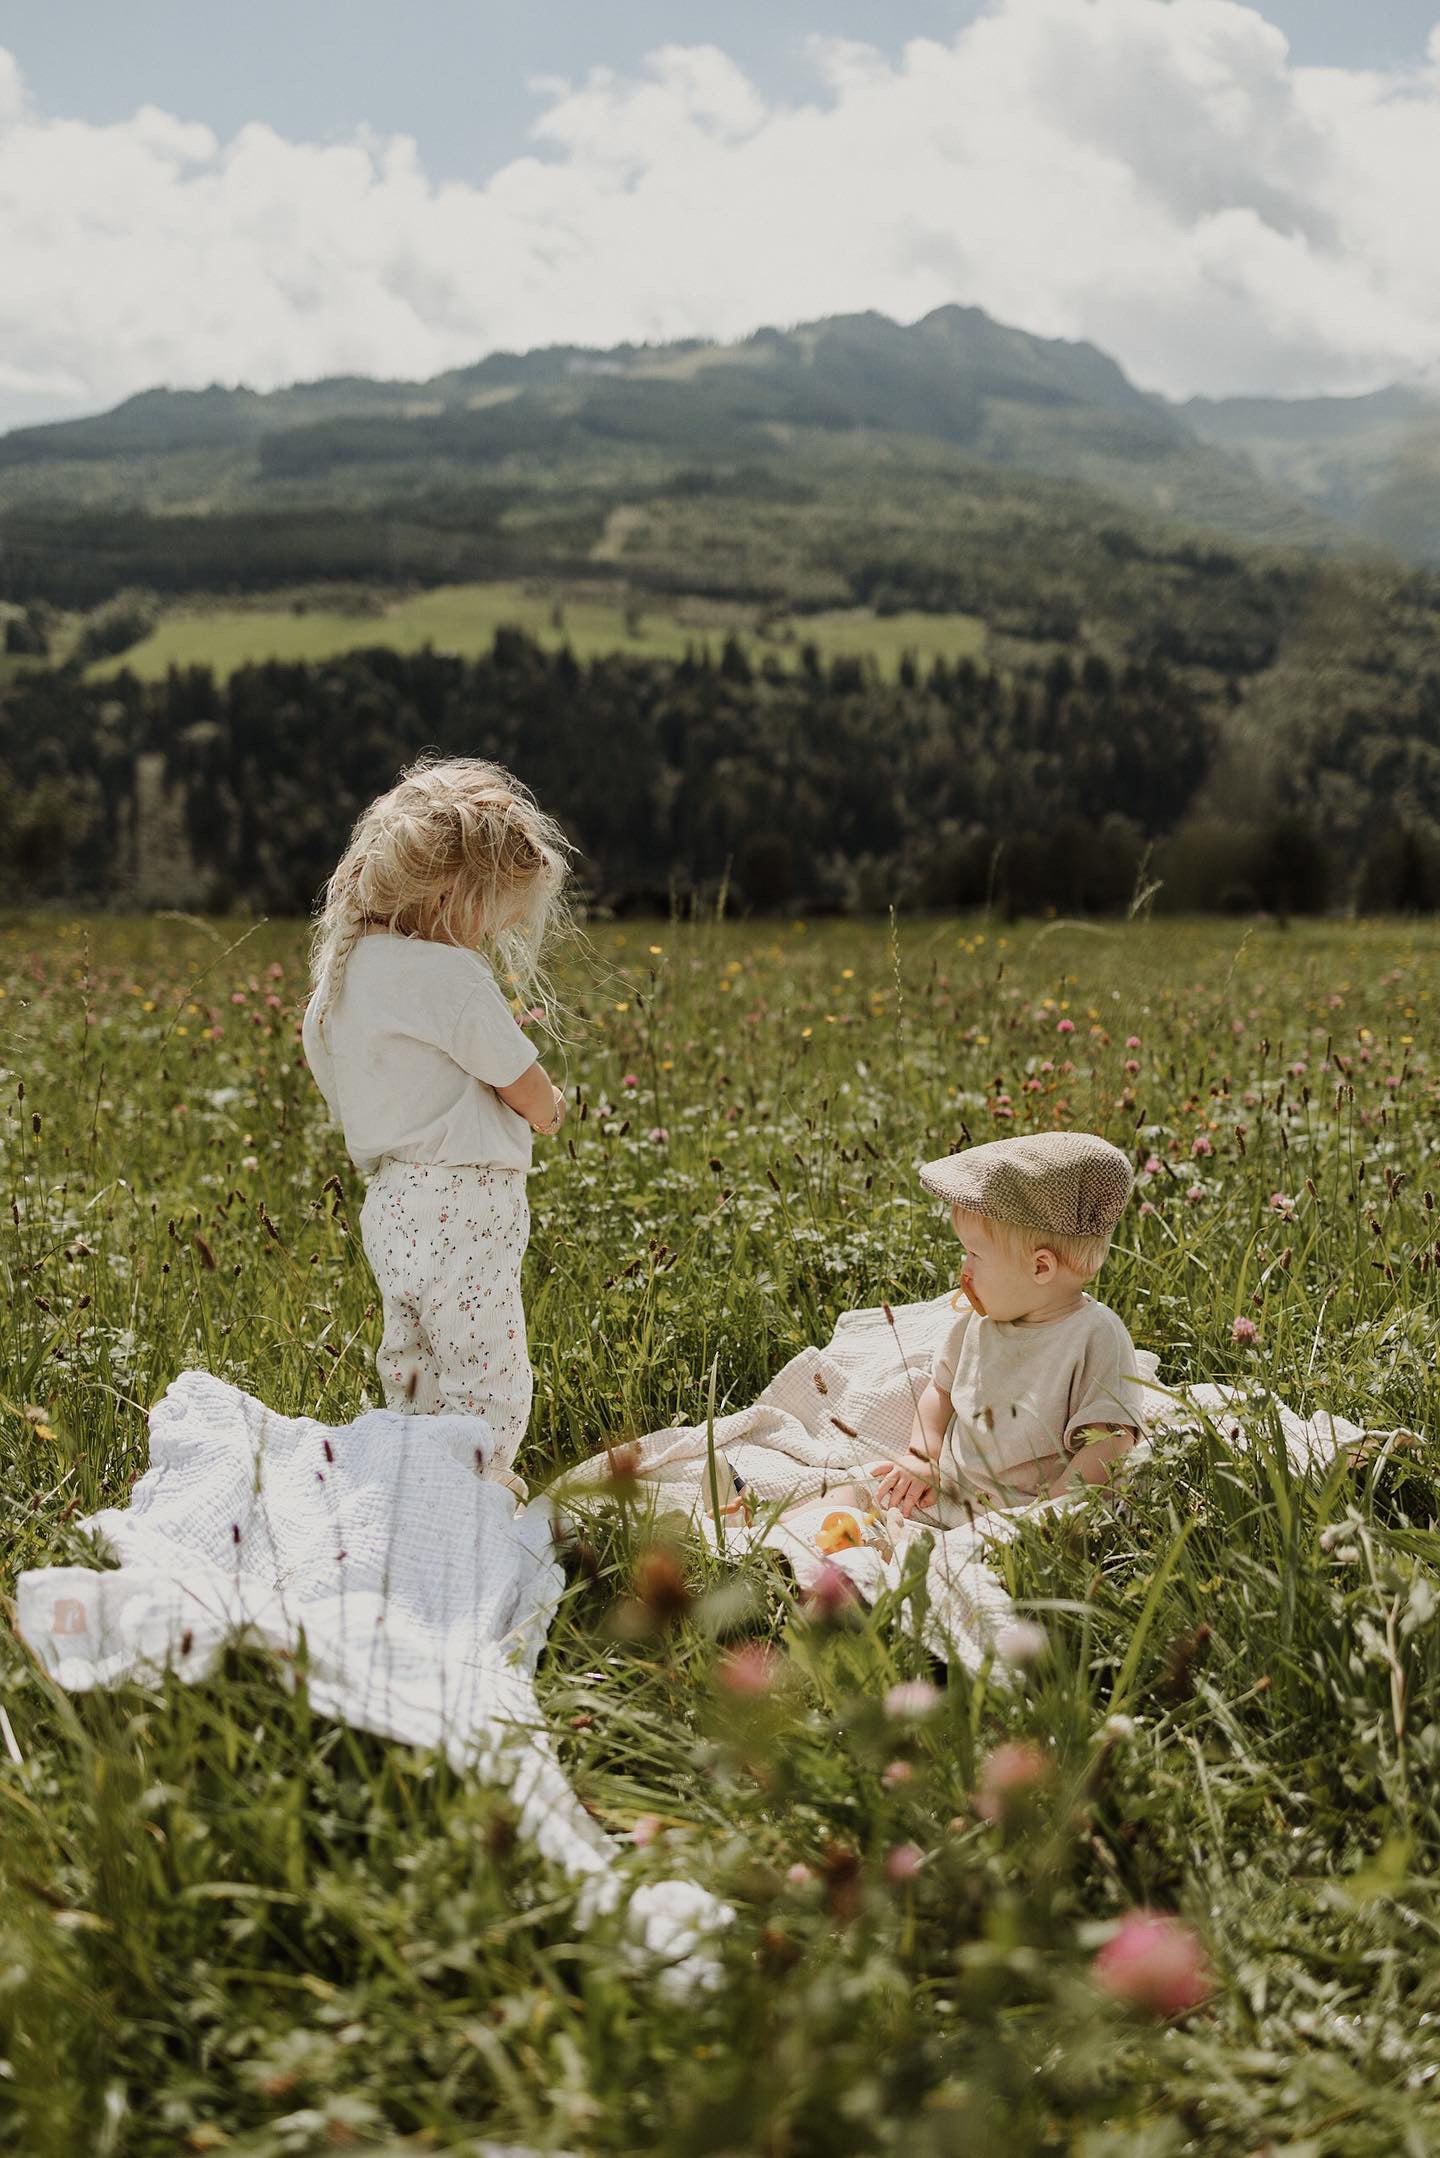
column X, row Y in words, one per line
column 830, row 1411
column 420, row 1596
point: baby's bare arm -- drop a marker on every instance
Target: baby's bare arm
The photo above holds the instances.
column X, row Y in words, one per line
column 1094, row 1462
column 910, row 1481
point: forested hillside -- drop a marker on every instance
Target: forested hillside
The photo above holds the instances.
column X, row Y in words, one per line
column 814, row 788
column 1116, row 695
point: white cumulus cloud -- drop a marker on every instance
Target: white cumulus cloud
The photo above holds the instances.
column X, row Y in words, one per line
column 1156, row 175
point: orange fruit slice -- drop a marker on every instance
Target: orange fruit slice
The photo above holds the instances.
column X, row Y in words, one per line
column 837, row 1532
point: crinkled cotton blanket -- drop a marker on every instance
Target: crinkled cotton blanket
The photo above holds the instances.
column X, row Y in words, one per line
column 421, row 1596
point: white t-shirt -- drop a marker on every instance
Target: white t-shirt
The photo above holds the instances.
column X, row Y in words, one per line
column 1022, row 1392
column 414, row 1046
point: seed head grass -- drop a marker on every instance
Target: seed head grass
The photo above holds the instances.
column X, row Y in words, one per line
column 227, row 1923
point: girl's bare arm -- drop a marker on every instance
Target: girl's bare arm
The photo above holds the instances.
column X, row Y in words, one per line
column 535, row 1096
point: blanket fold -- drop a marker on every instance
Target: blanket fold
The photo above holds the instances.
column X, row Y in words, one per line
column 422, row 1595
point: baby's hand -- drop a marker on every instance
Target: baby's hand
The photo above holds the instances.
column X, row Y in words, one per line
column 905, row 1484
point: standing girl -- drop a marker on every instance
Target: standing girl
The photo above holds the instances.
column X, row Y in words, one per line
column 414, row 1046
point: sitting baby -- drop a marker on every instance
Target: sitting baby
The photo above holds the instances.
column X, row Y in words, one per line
column 1034, row 1388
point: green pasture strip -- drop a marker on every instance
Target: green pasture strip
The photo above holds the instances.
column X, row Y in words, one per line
column 465, row 618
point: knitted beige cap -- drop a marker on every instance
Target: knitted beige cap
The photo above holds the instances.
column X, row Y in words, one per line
column 1058, row 1183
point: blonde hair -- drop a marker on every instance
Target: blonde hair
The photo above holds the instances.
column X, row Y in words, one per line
column 458, row 852
column 1084, row 1255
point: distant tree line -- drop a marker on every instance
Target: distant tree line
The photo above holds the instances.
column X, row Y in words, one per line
column 1078, row 786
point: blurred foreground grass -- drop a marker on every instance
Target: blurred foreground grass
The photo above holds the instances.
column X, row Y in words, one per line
column 227, row 1924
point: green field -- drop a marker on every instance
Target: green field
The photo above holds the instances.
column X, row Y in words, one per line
column 226, row 1924
column 464, row 619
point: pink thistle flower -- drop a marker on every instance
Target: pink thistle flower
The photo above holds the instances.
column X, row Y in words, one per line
column 1131, row 1066
column 630, row 1080
column 1154, row 1963
column 903, row 1863
column 1244, row 1332
column 1021, row 1643
column 1195, row 1194
column 1201, row 1145
column 831, row 1591
column 750, row 1669
column 1153, row 1165
column 1009, row 1774
column 912, row 1697
column 1132, row 1041
column 1066, row 1026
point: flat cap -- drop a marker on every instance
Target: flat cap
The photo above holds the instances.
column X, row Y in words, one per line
column 1058, row 1183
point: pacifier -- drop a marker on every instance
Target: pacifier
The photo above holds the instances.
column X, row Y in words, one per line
column 968, row 1291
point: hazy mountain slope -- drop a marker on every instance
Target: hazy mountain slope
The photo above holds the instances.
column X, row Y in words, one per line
column 1369, row 462
column 956, row 378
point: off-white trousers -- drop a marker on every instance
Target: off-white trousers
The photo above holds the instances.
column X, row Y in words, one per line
column 445, row 1246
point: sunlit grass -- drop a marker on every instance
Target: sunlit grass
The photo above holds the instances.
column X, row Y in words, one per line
column 225, row 1923
column 464, row 618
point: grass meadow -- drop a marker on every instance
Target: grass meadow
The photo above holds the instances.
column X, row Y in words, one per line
column 464, row 619
column 226, row 1925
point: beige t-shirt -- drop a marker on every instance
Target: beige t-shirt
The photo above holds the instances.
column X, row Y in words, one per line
column 413, row 1048
column 1023, row 1391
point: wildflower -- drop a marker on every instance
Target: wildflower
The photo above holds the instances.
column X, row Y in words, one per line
column 1065, row 1026
column 1131, row 1066
column 843, row 1881
column 661, row 1587
column 1009, row 1774
column 630, row 1080
column 1021, row 1643
column 904, row 1862
column 896, row 1774
column 1132, row 1041
column 1118, row 1728
column 1155, row 1963
column 1153, row 1165
column 1146, row 1207
column 1282, row 1204
column 912, row 1697
column 749, row 1669
column 1201, row 1145
column 799, row 1875
column 830, row 1592
column 251, row 1162
column 1195, row 1194
column 646, row 1830
column 658, row 1135
column 1244, row 1332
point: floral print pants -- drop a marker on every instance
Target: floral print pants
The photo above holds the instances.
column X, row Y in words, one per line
column 445, row 1245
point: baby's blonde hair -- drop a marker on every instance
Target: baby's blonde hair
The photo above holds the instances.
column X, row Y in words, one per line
column 457, row 851
column 1084, row 1255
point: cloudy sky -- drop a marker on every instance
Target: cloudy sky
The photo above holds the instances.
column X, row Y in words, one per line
column 1228, row 198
